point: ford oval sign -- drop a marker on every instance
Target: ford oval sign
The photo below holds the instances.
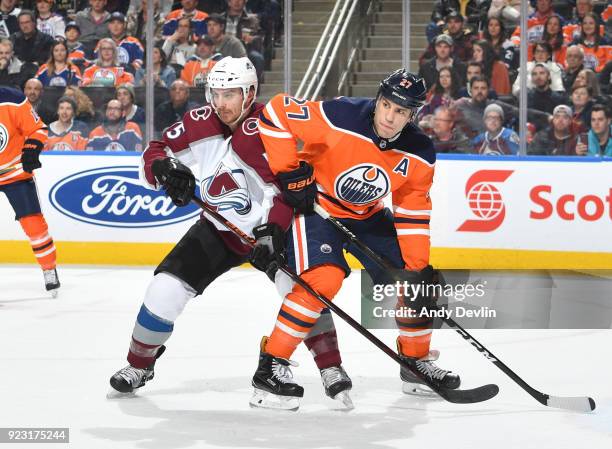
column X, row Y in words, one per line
column 114, row 197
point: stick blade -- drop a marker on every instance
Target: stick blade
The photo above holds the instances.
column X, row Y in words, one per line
column 581, row 404
column 480, row 394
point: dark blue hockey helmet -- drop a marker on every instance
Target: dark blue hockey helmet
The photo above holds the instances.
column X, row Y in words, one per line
column 404, row 88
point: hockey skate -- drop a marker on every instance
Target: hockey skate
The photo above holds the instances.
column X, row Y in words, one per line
column 273, row 383
column 426, row 366
column 337, row 385
column 130, row 378
column 52, row 283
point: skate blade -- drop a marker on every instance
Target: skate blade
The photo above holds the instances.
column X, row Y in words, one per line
column 114, row 394
column 54, row 293
column 344, row 398
column 265, row 399
column 416, row 389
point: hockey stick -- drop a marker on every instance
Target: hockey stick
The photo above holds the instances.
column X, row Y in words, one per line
column 579, row 404
column 479, row 394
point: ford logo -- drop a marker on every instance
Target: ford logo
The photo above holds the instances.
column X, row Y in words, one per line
column 114, row 197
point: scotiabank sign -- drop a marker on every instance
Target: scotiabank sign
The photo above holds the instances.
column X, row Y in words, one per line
column 568, row 206
column 521, row 204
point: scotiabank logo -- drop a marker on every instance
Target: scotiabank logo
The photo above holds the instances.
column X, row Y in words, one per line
column 485, row 200
column 568, row 206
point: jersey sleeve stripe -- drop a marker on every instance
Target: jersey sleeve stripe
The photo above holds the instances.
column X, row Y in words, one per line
column 272, row 113
column 278, row 135
column 265, row 120
column 8, row 164
column 401, row 210
column 411, row 220
column 412, row 232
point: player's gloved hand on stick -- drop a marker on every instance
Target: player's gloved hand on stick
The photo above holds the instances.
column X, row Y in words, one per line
column 176, row 179
column 427, row 279
column 30, row 155
column 269, row 251
column 299, row 188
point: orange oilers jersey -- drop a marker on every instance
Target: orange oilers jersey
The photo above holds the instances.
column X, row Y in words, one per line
column 354, row 166
column 106, row 76
column 70, row 141
column 18, row 122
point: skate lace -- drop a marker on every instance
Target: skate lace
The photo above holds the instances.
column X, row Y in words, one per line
column 50, row 276
column 132, row 375
column 281, row 371
column 332, row 375
column 430, row 369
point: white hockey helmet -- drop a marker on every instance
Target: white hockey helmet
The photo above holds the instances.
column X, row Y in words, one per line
column 230, row 73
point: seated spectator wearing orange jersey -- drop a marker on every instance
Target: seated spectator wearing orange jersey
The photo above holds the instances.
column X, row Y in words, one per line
column 195, row 71
column 106, row 70
column 67, row 134
column 535, row 22
column 597, row 49
column 189, row 10
column 130, row 52
column 115, row 133
column 59, row 71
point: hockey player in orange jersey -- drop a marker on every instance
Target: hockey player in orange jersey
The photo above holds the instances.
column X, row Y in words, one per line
column 356, row 152
column 22, row 137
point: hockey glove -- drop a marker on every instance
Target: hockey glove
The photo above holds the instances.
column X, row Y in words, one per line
column 30, row 155
column 176, row 179
column 423, row 294
column 299, row 188
column 269, row 251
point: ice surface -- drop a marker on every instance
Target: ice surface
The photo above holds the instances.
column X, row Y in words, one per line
column 57, row 356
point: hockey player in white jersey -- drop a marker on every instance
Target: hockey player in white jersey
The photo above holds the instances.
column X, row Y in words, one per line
column 221, row 141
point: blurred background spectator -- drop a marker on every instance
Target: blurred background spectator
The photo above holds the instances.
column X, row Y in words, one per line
column 93, row 23
column 29, row 44
column 195, row 71
column 495, row 70
column 189, row 10
column 442, row 93
column 8, row 18
column 85, row 111
column 11, row 72
column 163, row 74
column 137, row 19
column 106, row 70
column 47, row 21
column 574, row 58
column 66, row 133
column 541, row 96
column 542, row 55
column 443, row 46
column 496, row 140
column 130, row 52
column 33, row 91
column 558, row 139
column 600, row 141
column 225, row 44
column 115, row 133
column 179, row 46
column 131, row 112
column 173, row 110
column 445, row 136
column 59, row 71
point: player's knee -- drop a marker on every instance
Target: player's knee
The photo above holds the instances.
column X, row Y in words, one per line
column 34, row 225
column 325, row 279
column 167, row 296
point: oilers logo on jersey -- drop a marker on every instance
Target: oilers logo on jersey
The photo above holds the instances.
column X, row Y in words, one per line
column 224, row 190
column 362, row 184
column 4, row 137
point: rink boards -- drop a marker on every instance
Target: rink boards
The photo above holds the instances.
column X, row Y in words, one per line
column 510, row 212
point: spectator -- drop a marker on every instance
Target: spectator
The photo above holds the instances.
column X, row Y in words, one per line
column 270, row 18
column 76, row 50
column 8, row 18
column 47, row 21
column 462, row 39
column 496, row 140
column 474, row 69
column 127, row 97
column 85, row 111
column 541, row 97
column 588, row 78
column 495, row 70
column 558, row 139
column 137, row 20
column 542, row 56
column 245, row 26
column 130, row 52
column 106, row 70
column 59, row 71
column 535, row 22
column 179, row 46
column 66, row 133
column 196, row 69
column 224, row 44
column 495, row 33
column 553, row 34
column 29, row 44
column 582, row 102
column 474, row 10
column 173, row 110
column 574, row 64
column 115, row 133
column 443, row 45
column 93, row 23
column 446, row 137
column 163, row 74
column 596, row 47
column 188, row 10
column 507, row 11
column 469, row 111
column 10, row 66
column 600, row 140
column 33, row 92
column 571, row 31
column 442, row 93
column 605, row 79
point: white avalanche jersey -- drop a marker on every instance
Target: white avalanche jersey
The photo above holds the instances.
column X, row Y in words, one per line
column 232, row 171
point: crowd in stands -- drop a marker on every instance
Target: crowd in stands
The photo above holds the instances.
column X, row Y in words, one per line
column 472, row 67
column 81, row 63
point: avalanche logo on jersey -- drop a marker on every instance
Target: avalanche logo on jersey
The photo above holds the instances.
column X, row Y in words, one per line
column 223, row 191
column 362, row 184
column 4, row 137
